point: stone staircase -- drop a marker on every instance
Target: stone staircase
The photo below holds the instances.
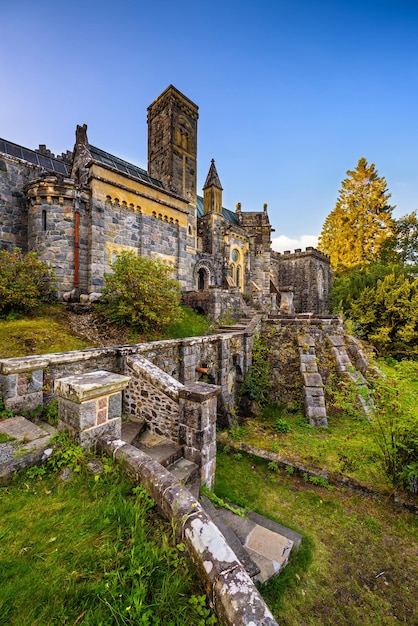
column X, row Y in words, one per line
column 168, row 453
column 262, row 546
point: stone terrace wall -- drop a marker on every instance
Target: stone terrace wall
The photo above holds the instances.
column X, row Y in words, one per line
column 281, row 334
column 26, row 382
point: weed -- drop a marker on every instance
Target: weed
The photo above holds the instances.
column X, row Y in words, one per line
column 275, row 447
column 4, row 438
column 219, row 502
column 200, row 605
column 4, row 413
column 319, row 481
column 273, row 467
column 282, row 426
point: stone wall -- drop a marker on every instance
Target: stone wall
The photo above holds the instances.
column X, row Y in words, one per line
column 14, row 175
column 223, row 358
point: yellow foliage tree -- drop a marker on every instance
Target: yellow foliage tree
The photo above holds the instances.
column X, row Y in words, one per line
column 354, row 232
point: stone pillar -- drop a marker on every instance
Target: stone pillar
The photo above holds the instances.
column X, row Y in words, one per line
column 21, row 387
column 187, row 368
column 197, row 427
column 286, row 301
column 90, row 406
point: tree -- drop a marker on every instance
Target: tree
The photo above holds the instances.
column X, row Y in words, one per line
column 361, row 221
column 387, row 315
column 402, row 246
column 141, row 293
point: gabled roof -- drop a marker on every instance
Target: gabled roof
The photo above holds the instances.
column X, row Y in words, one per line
column 230, row 216
column 32, row 156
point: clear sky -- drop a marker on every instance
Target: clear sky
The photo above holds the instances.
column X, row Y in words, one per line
column 291, row 93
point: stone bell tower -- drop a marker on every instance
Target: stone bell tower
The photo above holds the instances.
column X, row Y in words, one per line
column 172, row 142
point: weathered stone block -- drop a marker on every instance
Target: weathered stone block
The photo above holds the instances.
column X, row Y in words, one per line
column 115, row 405
column 312, row 380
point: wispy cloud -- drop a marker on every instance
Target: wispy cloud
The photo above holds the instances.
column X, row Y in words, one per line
column 282, row 243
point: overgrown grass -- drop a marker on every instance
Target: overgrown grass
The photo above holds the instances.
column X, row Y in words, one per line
column 192, row 325
column 357, row 563
column 40, row 333
column 46, row 330
column 351, row 445
column 91, row 550
column 346, row 446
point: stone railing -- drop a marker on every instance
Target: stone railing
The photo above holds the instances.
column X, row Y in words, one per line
column 231, row 591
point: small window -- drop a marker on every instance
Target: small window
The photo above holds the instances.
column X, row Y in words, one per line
column 235, row 255
column 43, row 220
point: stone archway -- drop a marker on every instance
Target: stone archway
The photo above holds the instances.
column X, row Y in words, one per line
column 203, row 275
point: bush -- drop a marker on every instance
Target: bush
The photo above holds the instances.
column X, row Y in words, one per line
column 395, row 426
column 25, row 281
column 141, row 293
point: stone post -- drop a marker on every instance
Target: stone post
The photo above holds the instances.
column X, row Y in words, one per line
column 286, row 301
column 197, row 427
column 90, row 406
column 21, row 383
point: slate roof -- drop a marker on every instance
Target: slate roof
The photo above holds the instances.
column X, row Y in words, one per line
column 123, row 166
column 32, row 156
column 63, row 167
column 230, row 216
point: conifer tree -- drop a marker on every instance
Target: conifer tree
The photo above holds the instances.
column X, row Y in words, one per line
column 361, row 221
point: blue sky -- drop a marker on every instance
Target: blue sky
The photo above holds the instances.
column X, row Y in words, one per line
column 291, row 93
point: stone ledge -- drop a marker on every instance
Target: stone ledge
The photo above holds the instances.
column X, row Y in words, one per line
column 84, row 387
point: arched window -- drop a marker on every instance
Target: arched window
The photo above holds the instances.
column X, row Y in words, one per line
column 238, row 276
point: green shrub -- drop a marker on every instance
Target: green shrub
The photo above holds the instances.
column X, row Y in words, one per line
column 257, row 385
column 395, row 426
column 282, row 426
column 141, row 293
column 25, row 281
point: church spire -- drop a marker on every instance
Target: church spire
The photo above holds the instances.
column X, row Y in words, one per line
column 212, row 179
column 212, row 192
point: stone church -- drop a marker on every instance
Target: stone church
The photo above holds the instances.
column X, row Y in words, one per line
column 80, row 209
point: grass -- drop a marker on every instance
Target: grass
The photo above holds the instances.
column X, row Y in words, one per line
column 46, row 330
column 350, row 444
column 43, row 332
column 346, row 446
column 357, row 562
column 192, row 325
column 91, row 550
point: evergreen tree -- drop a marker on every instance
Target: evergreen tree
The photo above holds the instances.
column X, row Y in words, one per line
column 361, row 221
column 402, row 246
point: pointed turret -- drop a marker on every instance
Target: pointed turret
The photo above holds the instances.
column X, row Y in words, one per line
column 212, row 191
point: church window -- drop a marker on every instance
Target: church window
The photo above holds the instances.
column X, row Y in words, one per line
column 235, row 255
column 238, row 276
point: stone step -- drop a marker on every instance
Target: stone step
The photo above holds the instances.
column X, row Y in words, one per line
column 132, row 429
column 262, row 546
column 185, row 471
column 158, row 447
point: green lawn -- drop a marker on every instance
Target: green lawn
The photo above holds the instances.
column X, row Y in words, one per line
column 91, row 550
column 357, row 563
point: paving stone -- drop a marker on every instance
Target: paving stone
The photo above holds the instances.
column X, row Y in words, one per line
column 21, row 429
